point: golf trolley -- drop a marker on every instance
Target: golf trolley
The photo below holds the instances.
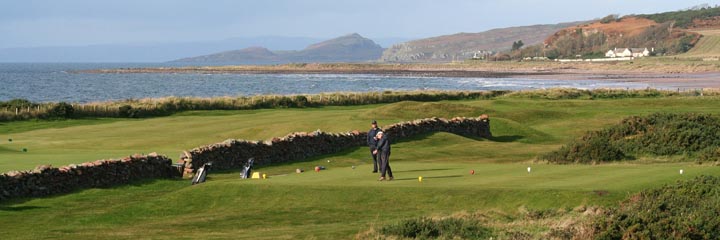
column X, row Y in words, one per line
column 247, row 169
column 201, row 174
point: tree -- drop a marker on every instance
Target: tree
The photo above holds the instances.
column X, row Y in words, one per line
column 610, row 18
column 61, row 110
column 517, row 45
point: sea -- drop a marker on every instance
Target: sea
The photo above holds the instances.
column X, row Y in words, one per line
column 60, row 82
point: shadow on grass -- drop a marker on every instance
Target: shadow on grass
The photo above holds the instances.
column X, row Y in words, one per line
column 19, row 208
column 258, row 167
column 4, row 204
column 435, row 177
column 425, row 170
column 510, row 138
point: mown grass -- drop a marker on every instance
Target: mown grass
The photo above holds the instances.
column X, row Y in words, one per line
column 339, row 202
column 336, row 203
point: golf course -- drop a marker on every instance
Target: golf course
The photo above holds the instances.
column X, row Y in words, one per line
column 345, row 200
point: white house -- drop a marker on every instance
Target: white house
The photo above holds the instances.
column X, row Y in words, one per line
column 628, row 52
column 610, row 54
column 482, row 54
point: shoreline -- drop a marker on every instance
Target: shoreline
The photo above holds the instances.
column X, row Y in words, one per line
column 657, row 73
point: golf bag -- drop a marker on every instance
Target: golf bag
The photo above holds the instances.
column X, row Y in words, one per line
column 247, row 169
column 201, row 174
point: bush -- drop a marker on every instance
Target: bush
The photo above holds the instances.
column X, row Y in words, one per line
column 128, row 111
column 659, row 134
column 61, row 110
column 17, row 103
column 610, row 18
column 684, row 210
column 300, row 101
column 448, row 228
column 710, row 154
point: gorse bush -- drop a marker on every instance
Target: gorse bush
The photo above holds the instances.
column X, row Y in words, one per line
column 61, row 110
column 128, row 111
column 659, row 134
column 684, row 210
column 447, row 228
column 710, row 154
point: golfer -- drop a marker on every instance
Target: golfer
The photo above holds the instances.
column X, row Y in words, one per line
column 383, row 152
column 372, row 143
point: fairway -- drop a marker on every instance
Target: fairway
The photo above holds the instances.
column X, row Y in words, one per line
column 342, row 201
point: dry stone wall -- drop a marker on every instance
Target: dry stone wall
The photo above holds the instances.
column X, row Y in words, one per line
column 46, row 180
column 234, row 153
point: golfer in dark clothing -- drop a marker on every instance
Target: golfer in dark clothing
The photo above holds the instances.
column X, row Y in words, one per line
column 383, row 152
column 372, row 143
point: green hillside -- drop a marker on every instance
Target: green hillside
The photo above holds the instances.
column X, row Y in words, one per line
column 707, row 47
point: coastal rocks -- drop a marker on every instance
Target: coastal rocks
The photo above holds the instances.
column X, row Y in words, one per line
column 45, row 180
column 232, row 154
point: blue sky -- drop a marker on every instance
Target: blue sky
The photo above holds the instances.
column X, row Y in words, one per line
column 32, row 23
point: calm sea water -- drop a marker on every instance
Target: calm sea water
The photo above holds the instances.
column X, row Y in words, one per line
column 53, row 82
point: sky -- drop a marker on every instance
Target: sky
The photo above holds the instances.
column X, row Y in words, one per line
column 36, row 23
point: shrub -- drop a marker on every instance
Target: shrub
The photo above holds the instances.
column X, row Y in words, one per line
column 61, row 110
column 610, row 18
column 448, row 228
column 684, row 210
column 710, row 154
column 660, row 134
column 128, row 111
column 17, row 103
column 300, row 101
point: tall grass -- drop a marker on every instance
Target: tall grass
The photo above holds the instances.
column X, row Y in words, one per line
column 20, row 109
column 152, row 107
column 573, row 93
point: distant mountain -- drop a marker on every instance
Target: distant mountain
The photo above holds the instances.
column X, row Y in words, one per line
column 147, row 52
column 462, row 46
column 245, row 55
column 348, row 48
